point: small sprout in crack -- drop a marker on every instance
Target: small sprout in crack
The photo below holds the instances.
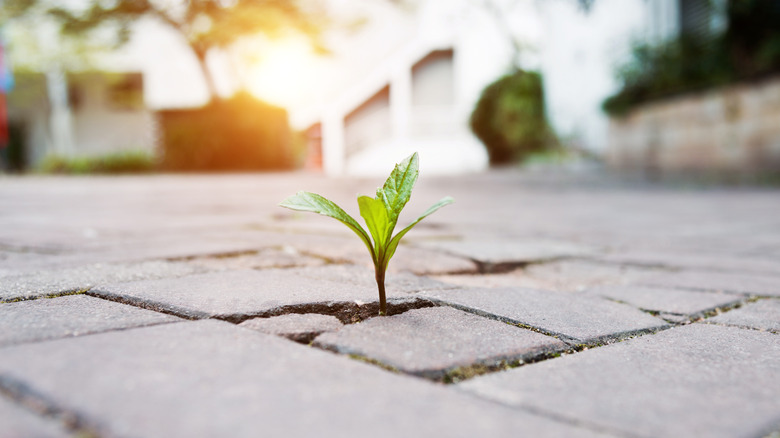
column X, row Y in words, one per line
column 380, row 214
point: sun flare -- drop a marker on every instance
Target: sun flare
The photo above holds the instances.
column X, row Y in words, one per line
column 281, row 72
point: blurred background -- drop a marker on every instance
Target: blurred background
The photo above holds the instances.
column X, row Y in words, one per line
column 655, row 88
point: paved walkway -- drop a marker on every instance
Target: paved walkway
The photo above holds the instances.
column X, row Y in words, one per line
column 188, row 306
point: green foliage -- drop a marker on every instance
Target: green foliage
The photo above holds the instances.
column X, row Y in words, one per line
column 510, row 118
column 748, row 50
column 241, row 133
column 380, row 214
column 116, row 163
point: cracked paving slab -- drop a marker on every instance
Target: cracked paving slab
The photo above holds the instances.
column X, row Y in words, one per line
column 695, row 380
column 296, row 327
column 760, row 315
column 251, row 293
column 667, row 300
column 573, row 317
column 49, row 282
column 67, row 316
column 238, row 383
column 18, row 422
column 430, row 341
column 510, row 251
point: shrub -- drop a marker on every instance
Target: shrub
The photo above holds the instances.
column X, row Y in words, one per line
column 748, row 50
column 240, row 133
column 509, row 118
column 115, row 163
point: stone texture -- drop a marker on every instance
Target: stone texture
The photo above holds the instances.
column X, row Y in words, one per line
column 18, row 422
column 48, row 282
column 695, row 380
column 430, row 341
column 250, row 293
column 364, row 277
column 73, row 315
column 761, row 315
column 297, row 327
column 667, row 300
column 285, row 257
column 210, row 378
column 493, row 253
column 572, row 317
column 749, row 284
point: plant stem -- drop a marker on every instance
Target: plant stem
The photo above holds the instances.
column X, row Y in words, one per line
column 380, row 283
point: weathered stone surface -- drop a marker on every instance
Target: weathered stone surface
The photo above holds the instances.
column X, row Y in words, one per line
column 761, row 315
column 364, row 277
column 209, row 378
column 667, row 300
column 73, row 315
column 285, row 257
column 50, row 282
column 250, row 292
column 675, row 259
column 696, row 380
column 429, row 341
column 298, row 327
column 571, row 316
column 749, row 284
column 420, row 261
column 18, row 422
column 493, row 253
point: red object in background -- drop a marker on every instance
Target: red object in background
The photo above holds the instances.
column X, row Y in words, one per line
column 3, row 122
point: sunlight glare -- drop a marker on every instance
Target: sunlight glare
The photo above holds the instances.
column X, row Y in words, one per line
column 280, row 74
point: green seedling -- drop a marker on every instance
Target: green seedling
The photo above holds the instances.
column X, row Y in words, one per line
column 380, row 213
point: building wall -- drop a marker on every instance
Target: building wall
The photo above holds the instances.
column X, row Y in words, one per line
column 732, row 130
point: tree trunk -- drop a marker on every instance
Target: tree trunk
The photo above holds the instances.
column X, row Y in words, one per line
column 207, row 77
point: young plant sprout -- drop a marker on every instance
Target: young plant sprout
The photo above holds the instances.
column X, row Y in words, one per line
column 380, row 213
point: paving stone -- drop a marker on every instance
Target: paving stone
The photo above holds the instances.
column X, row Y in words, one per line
column 18, row 422
column 254, row 293
column 286, row 257
column 667, row 300
column 673, row 259
column 751, row 284
column 571, row 316
column 420, row 261
column 73, row 315
column 430, row 341
column 297, row 327
column 494, row 253
column 761, row 315
column 364, row 277
column 49, row 282
column 210, row 378
column 695, row 380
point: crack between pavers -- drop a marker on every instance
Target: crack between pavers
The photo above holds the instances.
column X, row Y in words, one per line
column 148, row 305
column 65, row 293
column 36, row 402
column 577, row 422
column 348, row 312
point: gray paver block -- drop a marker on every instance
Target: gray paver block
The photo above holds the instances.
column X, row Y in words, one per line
column 696, row 380
column 18, row 422
column 667, row 300
column 430, row 341
column 572, row 316
column 286, row 257
column 752, row 284
column 250, row 292
column 73, row 315
column 42, row 283
column 364, row 277
column 761, row 315
column 210, row 378
column 511, row 250
column 298, row 327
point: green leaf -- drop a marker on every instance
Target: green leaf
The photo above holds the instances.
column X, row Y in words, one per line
column 393, row 245
column 306, row 201
column 397, row 190
column 375, row 215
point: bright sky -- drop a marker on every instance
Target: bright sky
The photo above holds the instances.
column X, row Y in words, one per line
column 282, row 75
